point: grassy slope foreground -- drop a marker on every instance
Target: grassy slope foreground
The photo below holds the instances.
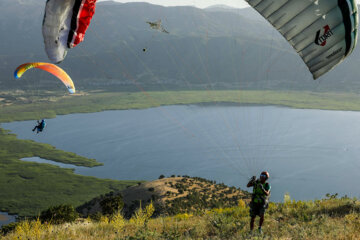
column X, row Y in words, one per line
column 320, row 219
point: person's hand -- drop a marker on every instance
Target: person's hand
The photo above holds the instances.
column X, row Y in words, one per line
column 253, row 178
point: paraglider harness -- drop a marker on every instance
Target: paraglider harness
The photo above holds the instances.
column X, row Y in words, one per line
column 40, row 127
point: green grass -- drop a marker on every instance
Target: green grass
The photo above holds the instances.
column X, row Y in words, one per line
column 319, row 219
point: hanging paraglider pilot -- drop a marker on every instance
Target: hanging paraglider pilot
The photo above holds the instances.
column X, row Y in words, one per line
column 260, row 198
column 40, row 126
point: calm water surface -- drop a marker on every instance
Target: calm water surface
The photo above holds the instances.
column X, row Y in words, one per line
column 6, row 219
column 308, row 152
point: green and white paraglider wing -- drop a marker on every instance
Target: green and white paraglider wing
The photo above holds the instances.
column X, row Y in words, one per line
column 323, row 32
column 157, row 26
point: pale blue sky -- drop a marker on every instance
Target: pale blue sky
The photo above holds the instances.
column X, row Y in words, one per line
column 197, row 3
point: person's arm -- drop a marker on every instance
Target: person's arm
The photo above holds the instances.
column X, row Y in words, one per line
column 251, row 182
column 266, row 191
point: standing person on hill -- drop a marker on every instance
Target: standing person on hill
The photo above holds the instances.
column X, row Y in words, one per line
column 260, row 198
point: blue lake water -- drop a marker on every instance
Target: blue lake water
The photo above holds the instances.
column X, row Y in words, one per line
column 308, row 152
column 6, row 219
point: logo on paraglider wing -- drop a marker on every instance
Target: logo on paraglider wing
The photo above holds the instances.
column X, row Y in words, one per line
column 334, row 53
column 321, row 39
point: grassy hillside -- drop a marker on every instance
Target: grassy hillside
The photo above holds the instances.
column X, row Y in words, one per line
column 329, row 218
column 172, row 195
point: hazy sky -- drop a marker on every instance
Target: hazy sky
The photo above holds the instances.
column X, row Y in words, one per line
column 197, row 3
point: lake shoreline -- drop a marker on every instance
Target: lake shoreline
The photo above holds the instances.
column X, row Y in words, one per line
column 102, row 102
column 98, row 102
column 203, row 141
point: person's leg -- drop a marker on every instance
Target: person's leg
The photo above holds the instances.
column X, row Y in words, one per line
column 261, row 221
column 252, row 223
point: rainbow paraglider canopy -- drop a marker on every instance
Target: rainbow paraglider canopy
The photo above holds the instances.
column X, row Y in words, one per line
column 48, row 67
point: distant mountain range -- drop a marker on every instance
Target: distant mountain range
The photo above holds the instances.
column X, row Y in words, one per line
column 213, row 48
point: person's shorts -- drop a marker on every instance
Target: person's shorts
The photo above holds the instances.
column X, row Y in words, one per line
column 257, row 209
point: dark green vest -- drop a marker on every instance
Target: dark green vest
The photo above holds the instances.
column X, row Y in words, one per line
column 258, row 195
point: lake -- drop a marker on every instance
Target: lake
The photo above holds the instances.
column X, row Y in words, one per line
column 6, row 219
column 308, row 153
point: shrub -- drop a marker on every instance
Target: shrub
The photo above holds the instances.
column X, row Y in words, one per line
column 182, row 216
column 118, row 221
column 142, row 216
column 5, row 229
column 241, row 204
column 59, row 214
column 331, row 196
column 112, row 204
column 95, row 216
column 287, row 198
column 31, row 229
column 161, row 176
